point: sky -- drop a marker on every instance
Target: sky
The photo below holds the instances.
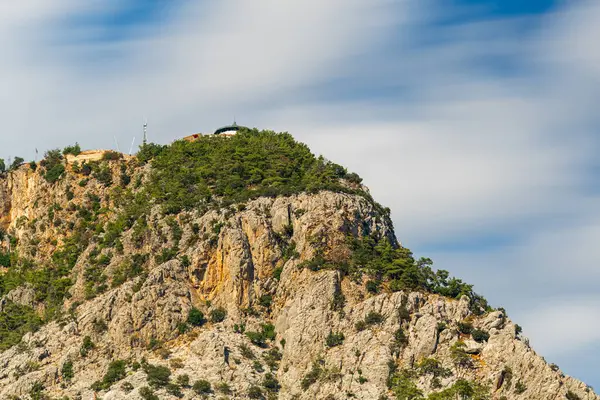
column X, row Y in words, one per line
column 474, row 120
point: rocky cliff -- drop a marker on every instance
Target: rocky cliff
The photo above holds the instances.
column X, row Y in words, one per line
column 231, row 302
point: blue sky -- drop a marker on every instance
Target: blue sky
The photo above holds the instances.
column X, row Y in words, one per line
column 475, row 121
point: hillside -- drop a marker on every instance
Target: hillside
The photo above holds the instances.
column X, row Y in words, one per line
column 240, row 267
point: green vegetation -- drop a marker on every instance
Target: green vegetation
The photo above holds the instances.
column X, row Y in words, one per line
column 196, row 317
column 462, row 389
column 520, row 388
column 67, row 370
column 148, row 394
column 377, row 257
column 334, row 339
column 572, row 396
column 15, row 321
column 116, row 372
column 86, row 346
column 73, row 150
column 480, row 335
column 53, row 167
column 157, row 375
column 17, row 162
column 259, row 338
column 218, row 315
column 202, row 387
column 232, row 170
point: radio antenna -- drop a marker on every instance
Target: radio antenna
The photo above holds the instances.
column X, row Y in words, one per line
column 131, row 148
column 145, row 131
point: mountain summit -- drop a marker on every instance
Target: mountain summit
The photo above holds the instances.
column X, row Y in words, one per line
column 238, row 267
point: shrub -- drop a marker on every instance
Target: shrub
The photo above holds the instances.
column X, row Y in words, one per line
column 265, row 300
column 111, row 156
column 431, row 366
column 255, row 392
column 223, row 387
column 259, row 338
column 373, row 286
column 202, row 387
column 174, row 390
column 196, row 317
column 312, row 376
column 183, row 380
column 271, row 383
column 115, row 372
column 218, row 315
column 465, row 327
column 67, row 370
column 520, row 388
column 360, row 325
column 518, row 329
column 480, row 336
column 148, row 394
column 374, row 318
column 15, row 321
column 572, row 396
column 73, row 150
column 334, row 339
column 127, row 387
column 403, row 387
column 157, row 376
column 86, row 346
column 246, row 352
column 459, row 355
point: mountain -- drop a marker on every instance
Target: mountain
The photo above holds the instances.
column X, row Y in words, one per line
column 241, row 268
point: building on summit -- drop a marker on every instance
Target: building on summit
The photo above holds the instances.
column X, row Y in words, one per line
column 228, row 130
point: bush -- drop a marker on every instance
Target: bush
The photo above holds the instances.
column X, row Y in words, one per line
column 360, row 326
column 116, row 372
column 174, row 390
column 73, row 150
column 271, row 383
column 480, row 336
column 86, row 346
column 15, row 321
column 111, row 156
column 67, row 370
column 572, row 396
column 255, row 392
column 374, row 318
column 372, row 286
column 265, row 300
column 334, row 339
column 218, row 315
column 520, row 388
column 465, row 327
column 224, row 388
column 312, row 376
column 202, row 387
column 148, row 394
column 196, row 317
column 259, row 338
column 183, row 380
column 157, row 376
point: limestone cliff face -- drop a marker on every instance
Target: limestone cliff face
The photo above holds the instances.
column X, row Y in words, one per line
column 245, row 260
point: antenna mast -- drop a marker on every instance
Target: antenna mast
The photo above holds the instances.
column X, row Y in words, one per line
column 145, row 131
column 117, row 143
column 131, row 148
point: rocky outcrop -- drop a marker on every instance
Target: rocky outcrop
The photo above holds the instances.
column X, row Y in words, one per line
column 332, row 338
